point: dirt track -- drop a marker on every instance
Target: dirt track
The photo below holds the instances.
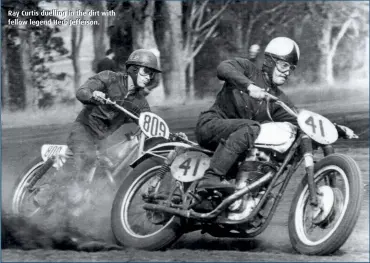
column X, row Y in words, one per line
column 20, row 145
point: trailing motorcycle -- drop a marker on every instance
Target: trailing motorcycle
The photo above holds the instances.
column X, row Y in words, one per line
column 35, row 188
column 159, row 201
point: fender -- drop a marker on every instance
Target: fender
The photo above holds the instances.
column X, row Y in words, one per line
column 164, row 149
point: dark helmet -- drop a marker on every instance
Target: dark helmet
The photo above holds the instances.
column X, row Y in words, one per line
column 144, row 58
column 283, row 48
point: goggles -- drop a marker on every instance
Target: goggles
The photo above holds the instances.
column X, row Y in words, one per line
column 282, row 65
column 145, row 72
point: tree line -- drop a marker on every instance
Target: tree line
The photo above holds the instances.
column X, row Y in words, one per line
column 192, row 37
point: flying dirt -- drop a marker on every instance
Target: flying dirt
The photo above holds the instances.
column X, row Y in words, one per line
column 17, row 232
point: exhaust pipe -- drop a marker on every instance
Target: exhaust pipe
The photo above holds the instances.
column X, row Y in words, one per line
column 221, row 207
column 166, row 209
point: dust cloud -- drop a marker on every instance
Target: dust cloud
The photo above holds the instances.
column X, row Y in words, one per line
column 17, row 232
column 60, row 228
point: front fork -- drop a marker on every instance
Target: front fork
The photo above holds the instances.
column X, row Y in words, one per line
column 166, row 166
column 309, row 166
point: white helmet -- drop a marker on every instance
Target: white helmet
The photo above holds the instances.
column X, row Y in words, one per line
column 283, row 48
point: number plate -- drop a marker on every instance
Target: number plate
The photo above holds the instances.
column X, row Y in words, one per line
column 153, row 126
column 317, row 127
column 49, row 150
column 190, row 166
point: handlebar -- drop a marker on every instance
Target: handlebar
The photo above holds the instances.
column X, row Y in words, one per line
column 110, row 102
column 113, row 103
column 269, row 97
column 347, row 133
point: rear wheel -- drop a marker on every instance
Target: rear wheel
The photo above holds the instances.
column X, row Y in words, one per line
column 324, row 230
column 134, row 226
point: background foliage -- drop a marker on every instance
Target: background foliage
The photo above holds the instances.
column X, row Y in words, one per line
column 192, row 38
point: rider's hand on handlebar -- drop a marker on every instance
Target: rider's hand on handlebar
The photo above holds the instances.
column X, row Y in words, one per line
column 256, row 92
column 175, row 137
column 345, row 132
column 99, row 96
column 181, row 135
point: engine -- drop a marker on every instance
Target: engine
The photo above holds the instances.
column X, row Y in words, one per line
column 257, row 164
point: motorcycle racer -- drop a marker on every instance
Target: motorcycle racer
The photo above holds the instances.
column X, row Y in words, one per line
column 96, row 121
column 232, row 124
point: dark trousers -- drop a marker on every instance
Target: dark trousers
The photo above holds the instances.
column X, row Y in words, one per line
column 239, row 134
column 83, row 144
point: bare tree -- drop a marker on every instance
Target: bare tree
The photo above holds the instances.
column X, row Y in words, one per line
column 284, row 16
column 174, row 79
column 77, row 32
column 201, row 25
column 257, row 19
column 26, row 49
column 336, row 20
column 5, row 95
column 16, row 68
column 99, row 32
column 182, row 44
column 142, row 26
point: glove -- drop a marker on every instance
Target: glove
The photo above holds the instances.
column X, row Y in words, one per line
column 345, row 132
column 179, row 134
column 182, row 135
column 99, row 96
column 256, row 92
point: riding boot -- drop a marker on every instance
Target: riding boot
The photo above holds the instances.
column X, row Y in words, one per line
column 223, row 159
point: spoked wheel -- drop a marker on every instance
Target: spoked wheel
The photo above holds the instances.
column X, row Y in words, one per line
column 25, row 201
column 134, row 226
column 322, row 230
column 33, row 192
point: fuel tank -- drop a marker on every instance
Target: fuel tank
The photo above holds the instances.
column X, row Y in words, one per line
column 277, row 136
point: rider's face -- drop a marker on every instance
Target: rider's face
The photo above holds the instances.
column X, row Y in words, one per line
column 144, row 76
column 279, row 77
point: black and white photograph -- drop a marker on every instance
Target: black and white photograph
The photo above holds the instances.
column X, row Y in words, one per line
column 192, row 131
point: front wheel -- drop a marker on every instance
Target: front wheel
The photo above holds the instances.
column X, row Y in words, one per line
column 132, row 225
column 323, row 230
column 28, row 186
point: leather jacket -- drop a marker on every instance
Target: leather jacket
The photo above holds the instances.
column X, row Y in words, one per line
column 233, row 101
column 105, row 119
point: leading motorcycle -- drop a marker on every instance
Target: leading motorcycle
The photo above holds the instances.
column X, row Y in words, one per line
column 159, row 201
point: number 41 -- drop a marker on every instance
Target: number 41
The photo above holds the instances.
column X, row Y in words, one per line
column 311, row 122
column 187, row 165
